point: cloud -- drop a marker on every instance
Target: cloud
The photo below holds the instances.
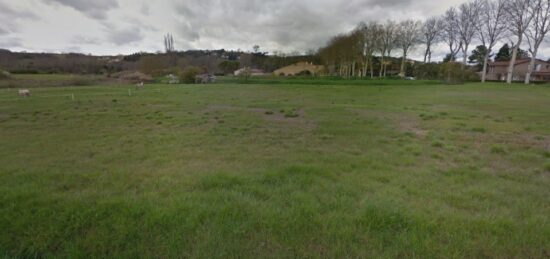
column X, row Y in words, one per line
column 127, row 26
column 80, row 39
column 274, row 24
column 125, row 36
column 96, row 9
column 10, row 18
column 10, row 42
column 3, row 31
column 145, row 10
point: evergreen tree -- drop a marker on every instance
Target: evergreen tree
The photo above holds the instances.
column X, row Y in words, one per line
column 478, row 56
column 504, row 54
column 448, row 58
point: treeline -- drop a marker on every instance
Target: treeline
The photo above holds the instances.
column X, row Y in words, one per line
column 367, row 50
column 71, row 63
column 364, row 51
column 217, row 62
column 206, row 61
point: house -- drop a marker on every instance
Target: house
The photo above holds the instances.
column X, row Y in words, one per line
column 300, row 68
column 252, row 71
column 498, row 70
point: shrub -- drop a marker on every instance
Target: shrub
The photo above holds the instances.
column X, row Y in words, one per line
column 498, row 150
column 245, row 74
column 428, row 71
column 188, row 74
column 448, row 72
column 4, row 75
column 451, row 73
column 228, row 66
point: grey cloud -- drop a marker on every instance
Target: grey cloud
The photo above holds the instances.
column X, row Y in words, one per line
column 125, row 36
column 125, row 26
column 10, row 42
column 3, row 31
column 145, row 10
column 10, row 18
column 96, row 9
column 285, row 24
column 80, row 39
column 139, row 22
column 72, row 49
column 8, row 12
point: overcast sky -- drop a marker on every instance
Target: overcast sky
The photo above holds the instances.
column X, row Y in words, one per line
column 109, row 27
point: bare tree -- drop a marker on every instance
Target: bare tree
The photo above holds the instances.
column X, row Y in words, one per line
column 468, row 17
column 431, row 31
column 535, row 34
column 372, row 42
column 169, row 43
column 387, row 43
column 491, row 28
column 369, row 40
column 517, row 13
column 407, row 37
column 451, row 35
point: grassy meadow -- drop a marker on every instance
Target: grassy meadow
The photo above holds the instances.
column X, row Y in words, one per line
column 276, row 170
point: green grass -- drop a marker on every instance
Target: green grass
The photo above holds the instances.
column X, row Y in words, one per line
column 297, row 80
column 276, row 170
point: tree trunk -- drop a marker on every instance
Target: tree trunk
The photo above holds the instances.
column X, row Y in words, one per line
column 485, row 61
column 510, row 76
column 426, row 53
column 531, row 67
column 402, row 71
column 366, row 67
column 371, row 68
column 381, row 66
column 465, row 58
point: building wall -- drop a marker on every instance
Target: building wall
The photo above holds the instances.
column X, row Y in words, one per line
column 499, row 72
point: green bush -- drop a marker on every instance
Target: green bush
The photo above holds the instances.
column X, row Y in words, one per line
column 428, row 71
column 188, row 74
column 448, row 72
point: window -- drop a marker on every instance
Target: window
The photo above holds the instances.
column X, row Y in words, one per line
column 537, row 67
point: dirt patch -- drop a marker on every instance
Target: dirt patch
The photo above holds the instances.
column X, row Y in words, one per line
column 403, row 122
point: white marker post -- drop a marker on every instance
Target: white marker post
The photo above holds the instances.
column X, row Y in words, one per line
column 129, row 92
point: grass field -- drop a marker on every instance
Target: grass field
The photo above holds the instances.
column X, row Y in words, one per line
column 276, row 171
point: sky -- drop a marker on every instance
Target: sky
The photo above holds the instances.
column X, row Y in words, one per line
column 111, row 27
